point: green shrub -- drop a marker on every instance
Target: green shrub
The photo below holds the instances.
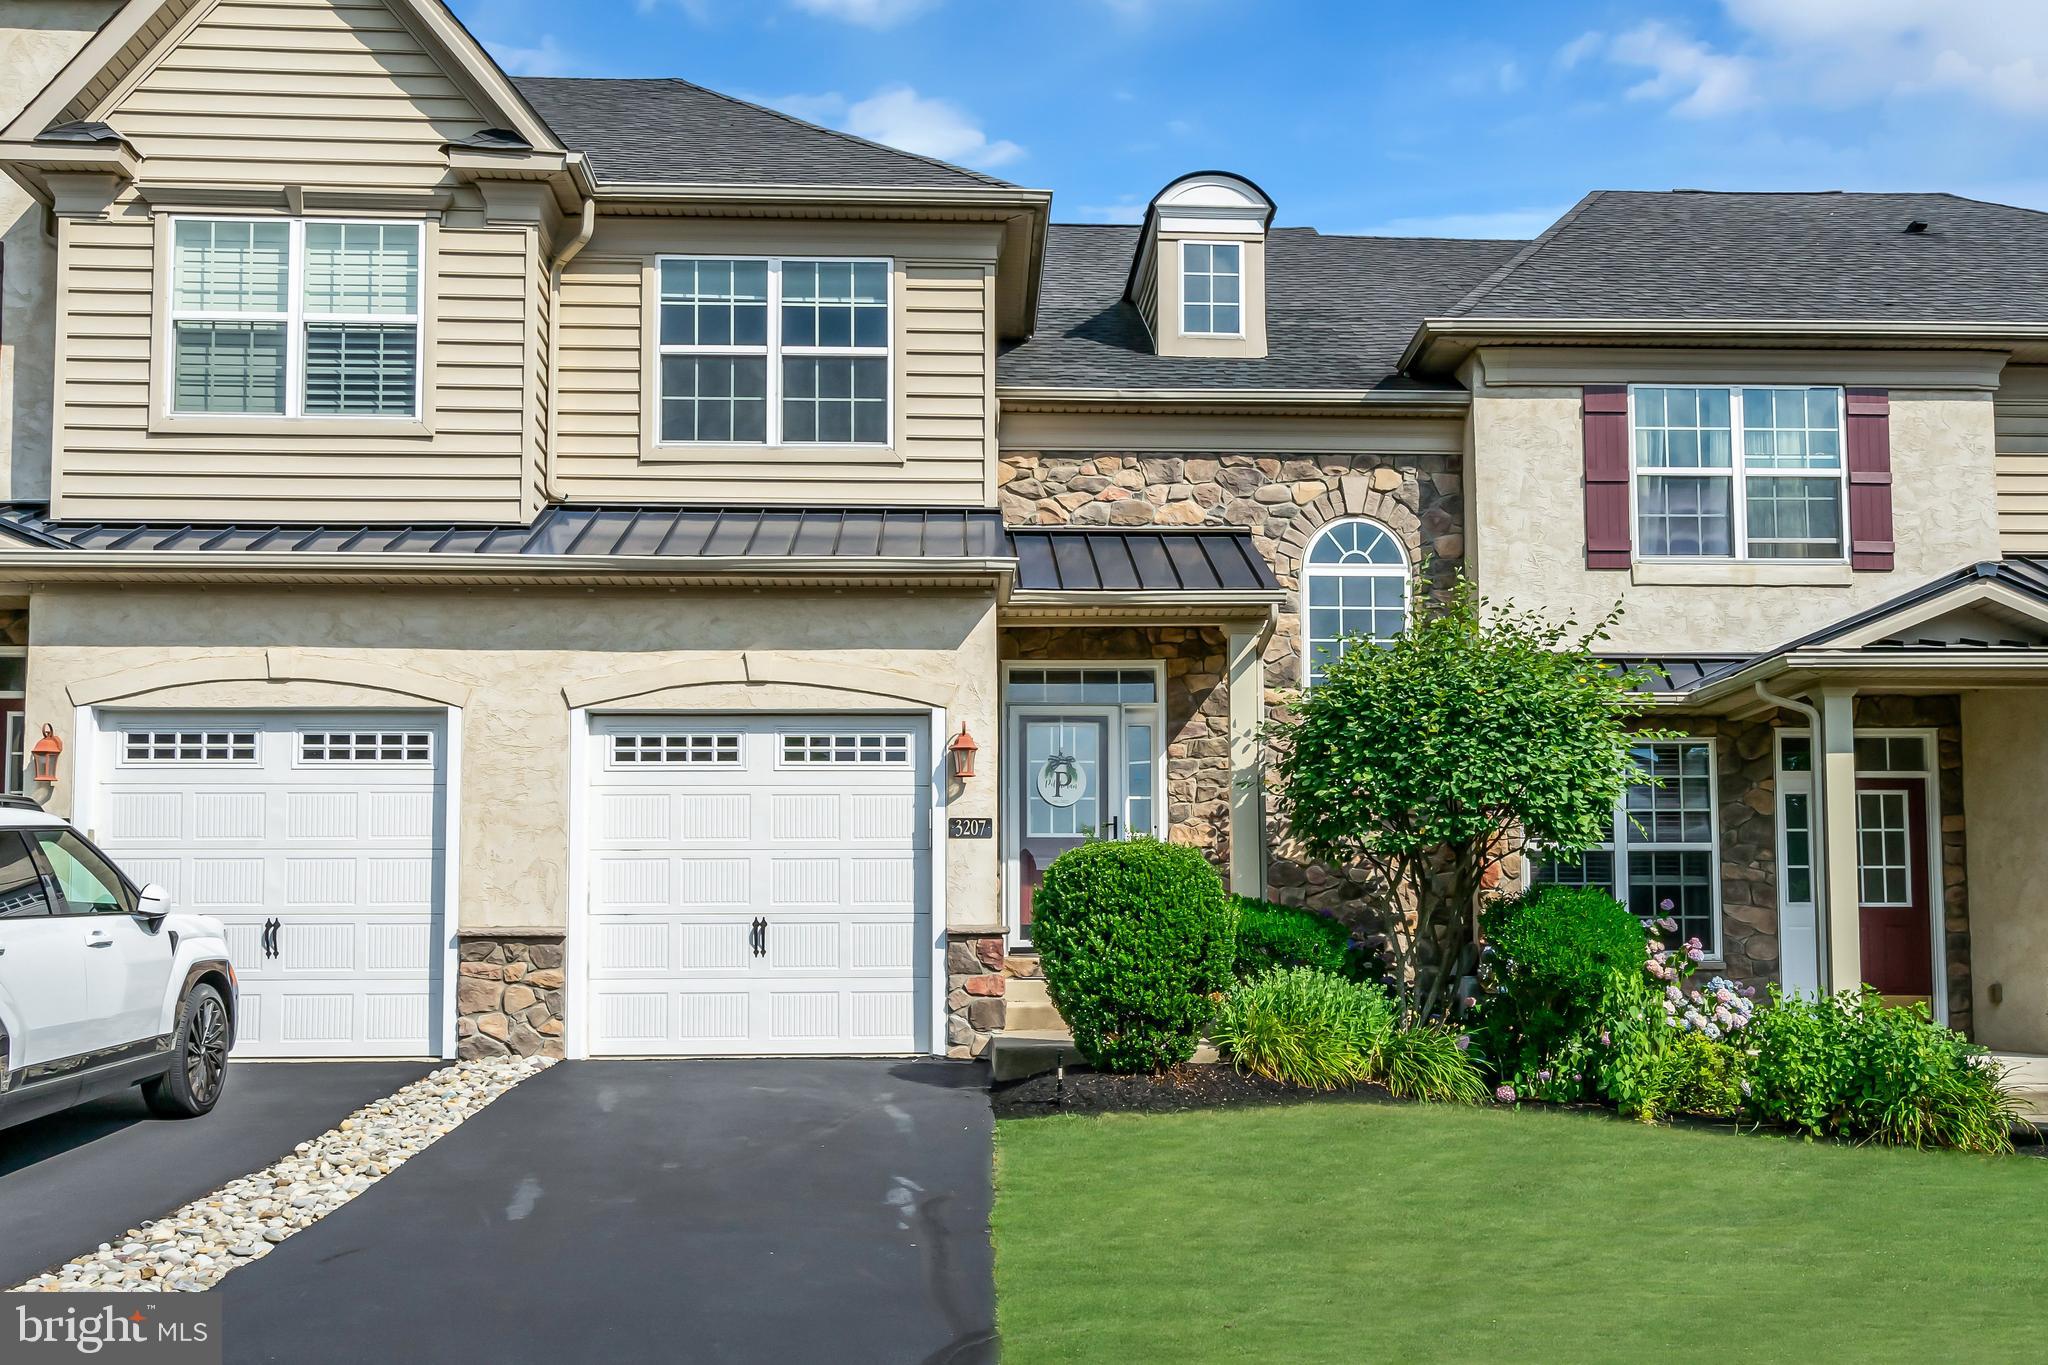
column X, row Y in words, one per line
column 1563, row 986
column 1305, row 1027
column 1850, row 1066
column 1136, row 937
column 1428, row 1063
column 1693, row 1074
column 1270, row 936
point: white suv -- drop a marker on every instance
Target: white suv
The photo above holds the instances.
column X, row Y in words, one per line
column 101, row 986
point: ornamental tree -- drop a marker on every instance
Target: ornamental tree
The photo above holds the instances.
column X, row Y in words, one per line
column 1430, row 758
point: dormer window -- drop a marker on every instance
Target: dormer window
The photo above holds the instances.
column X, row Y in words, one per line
column 1199, row 277
column 1212, row 289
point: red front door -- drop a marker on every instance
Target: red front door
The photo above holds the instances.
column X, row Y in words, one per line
column 1891, row 881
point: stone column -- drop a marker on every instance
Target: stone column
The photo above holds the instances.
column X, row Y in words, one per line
column 1841, row 967
column 1247, row 684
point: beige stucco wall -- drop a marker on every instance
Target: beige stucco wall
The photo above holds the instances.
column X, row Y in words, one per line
column 36, row 38
column 510, row 655
column 1527, row 522
column 2005, row 761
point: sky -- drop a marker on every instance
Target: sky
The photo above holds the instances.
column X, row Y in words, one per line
column 1467, row 119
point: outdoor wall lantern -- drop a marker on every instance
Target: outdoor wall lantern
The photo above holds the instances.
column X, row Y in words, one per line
column 962, row 751
column 45, row 755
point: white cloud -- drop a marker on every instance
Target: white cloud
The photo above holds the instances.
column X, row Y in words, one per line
column 544, row 59
column 900, row 117
column 1698, row 81
column 866, row 13
column 1500, row 223
column 903, row 118
column 1839, row 53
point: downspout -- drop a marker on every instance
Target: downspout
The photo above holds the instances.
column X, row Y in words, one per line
column 1820, row 881
column 567, row 254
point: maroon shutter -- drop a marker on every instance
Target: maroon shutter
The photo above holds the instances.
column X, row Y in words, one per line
column 1869, row 444
column 1604, row 413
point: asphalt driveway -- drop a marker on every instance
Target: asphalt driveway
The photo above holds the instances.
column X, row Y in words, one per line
column 685, row 1211
column 73, row 1180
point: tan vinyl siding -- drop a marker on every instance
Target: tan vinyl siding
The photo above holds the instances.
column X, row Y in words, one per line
column 471, row 468
column 320, row 92
column 2021, row 412
column 329, row 94
column 943, row 361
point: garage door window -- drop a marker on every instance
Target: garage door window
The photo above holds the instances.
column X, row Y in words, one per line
column 189, row 746
column 703, row 750
column 864, row 750
column 366, row 746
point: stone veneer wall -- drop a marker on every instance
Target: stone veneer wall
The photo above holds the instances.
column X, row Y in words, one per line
column 1282, row 501
column 1746, row 771
column 977, row 976
column 508, row 996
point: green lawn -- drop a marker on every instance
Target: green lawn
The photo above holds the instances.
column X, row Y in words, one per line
column 1352, row 1232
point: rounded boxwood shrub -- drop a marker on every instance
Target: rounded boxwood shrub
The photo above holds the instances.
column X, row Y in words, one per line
column 1271, row 936
column 1136, row 937
column 1562, row 967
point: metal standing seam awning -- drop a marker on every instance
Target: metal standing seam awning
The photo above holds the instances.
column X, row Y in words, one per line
column 1150, row 573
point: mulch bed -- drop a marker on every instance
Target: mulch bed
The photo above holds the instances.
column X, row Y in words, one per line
column 1183, row 1088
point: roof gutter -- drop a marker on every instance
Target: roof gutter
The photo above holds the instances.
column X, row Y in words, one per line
column 1598, row 330
column 1056, row 398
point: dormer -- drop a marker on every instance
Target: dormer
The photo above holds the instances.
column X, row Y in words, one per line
column 1199, row 278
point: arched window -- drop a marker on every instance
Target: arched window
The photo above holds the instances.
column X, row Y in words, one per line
column 1353, row 582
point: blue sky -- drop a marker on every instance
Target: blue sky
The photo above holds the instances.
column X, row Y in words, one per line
column 1465, row 119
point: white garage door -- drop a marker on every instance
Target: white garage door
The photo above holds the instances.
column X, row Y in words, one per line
column 318, row 840
column 759, row 885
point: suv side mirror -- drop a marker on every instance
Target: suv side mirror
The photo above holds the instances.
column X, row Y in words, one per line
column 153, row 904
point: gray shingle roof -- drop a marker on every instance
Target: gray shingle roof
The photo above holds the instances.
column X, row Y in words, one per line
column 672, row 132
column 1687, row 254
column 1339, row 311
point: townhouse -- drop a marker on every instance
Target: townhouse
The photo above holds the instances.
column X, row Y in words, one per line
column 597, row 566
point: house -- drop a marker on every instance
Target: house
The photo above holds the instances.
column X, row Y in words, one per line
column 600, row 567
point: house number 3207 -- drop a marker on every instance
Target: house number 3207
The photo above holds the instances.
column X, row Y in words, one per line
column 970, row 827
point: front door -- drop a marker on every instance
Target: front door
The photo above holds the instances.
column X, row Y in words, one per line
column 1892, row 886
column 1068, row 789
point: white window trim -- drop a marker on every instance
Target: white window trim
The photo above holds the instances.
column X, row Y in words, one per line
column 773, row 352
column 1181, row 302
column 1405, row 570
column 123, row 760
column 1737, row 473
column 1617, row 843
column 295, row 317
column 733, row 757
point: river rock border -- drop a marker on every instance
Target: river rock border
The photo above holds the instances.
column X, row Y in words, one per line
column 196, row 1246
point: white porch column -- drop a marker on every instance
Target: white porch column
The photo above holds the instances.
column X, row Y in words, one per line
column 1835, row 753
column 1247, row 682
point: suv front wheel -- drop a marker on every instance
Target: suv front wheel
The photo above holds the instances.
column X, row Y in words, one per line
column 199, row 1063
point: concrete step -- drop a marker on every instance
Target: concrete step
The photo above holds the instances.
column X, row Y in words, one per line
column 1014, row 1054
column 1028, row 1007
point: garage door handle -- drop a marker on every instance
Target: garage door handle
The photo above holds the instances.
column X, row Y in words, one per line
column 757, row 938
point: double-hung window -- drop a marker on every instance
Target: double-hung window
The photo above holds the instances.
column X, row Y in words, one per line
column 774, row 351
column 1663, row 858
column 1211, row 285
column 1744, row 472
column 295, row 318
